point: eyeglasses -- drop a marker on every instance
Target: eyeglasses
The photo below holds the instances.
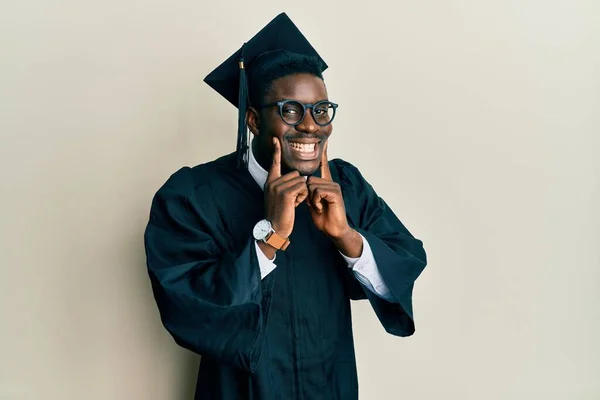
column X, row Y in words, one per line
column 292, row 112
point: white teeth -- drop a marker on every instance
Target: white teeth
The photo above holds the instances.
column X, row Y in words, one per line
column 304, row 148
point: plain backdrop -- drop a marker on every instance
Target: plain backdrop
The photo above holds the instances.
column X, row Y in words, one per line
column 477, row 121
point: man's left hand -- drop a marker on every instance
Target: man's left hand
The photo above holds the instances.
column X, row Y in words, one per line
column 329, row 212
column 326, row 202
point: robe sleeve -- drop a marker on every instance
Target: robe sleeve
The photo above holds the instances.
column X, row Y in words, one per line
column 399, row 255
column 210, row 297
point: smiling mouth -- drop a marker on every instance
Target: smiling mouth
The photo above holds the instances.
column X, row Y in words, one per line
column 304, row 151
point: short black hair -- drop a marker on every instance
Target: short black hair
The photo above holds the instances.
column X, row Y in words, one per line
column 262, row 84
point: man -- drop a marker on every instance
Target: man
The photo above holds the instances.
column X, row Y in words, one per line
column 254, row 257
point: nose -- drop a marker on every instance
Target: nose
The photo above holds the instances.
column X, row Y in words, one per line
column 308, row 124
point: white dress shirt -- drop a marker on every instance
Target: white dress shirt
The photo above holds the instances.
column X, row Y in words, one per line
column 364, row 267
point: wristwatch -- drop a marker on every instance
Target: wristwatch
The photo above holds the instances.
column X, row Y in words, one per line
column 264, row 231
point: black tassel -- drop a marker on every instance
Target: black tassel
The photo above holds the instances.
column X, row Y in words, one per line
column 242, row 136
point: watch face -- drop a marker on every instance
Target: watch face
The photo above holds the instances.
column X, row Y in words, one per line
column 262, row 229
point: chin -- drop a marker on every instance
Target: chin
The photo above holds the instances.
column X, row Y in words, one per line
column 305, row 169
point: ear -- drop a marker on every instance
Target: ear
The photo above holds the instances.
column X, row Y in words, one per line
column 253, row 121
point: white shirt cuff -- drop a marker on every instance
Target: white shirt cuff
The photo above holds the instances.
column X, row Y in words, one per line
column 366, row 257
column 367, row 273
column 266, row 266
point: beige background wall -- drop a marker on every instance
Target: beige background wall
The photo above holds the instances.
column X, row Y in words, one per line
column 478, row 121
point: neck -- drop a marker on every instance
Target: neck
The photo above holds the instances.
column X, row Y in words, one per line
column 259, row 156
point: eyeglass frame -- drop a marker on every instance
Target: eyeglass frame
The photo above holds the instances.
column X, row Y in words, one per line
column 281, row 103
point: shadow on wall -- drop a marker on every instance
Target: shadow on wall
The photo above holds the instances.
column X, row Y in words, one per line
column 187, row 385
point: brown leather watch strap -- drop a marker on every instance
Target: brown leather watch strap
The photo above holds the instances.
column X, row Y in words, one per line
column 277, row 241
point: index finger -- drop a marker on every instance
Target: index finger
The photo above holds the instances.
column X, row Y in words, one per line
column 275, row 170
column 325, row 171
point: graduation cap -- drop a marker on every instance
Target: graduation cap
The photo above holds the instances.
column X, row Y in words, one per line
column 279, row 40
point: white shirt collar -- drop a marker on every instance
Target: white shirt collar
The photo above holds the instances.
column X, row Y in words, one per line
column 258, row 173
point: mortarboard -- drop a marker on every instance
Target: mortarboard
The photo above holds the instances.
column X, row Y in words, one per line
column 274, row 43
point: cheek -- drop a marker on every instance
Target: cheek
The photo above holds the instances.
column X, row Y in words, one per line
column 327, row 130
column 275, row 127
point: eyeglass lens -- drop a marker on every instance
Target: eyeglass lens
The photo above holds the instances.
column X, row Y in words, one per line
column 292, row 112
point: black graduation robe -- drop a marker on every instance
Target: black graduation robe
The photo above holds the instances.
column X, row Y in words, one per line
column 289, row 335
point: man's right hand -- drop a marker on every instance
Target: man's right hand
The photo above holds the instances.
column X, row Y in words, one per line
column 283, row 194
